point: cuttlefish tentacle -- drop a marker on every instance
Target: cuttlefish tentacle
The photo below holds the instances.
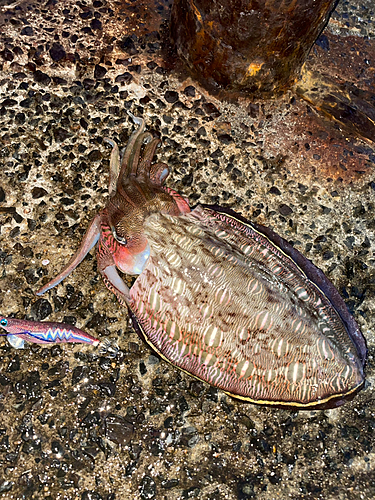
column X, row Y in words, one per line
column 114, row 170
column 89, row 240
column 147, row 156
column 106, row 251
column 116, row 285
column 159, row 173
column 128, row 153
column 144, row 166
column 144, row 138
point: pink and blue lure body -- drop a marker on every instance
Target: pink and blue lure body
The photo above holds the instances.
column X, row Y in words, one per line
column 21, row 330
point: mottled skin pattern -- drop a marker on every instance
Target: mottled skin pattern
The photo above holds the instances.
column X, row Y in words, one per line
column 217, row 298
column 221, row 302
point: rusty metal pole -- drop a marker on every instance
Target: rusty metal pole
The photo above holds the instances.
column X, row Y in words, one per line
column 255, row 46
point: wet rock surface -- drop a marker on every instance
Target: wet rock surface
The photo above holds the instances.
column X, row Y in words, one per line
column 78, row 423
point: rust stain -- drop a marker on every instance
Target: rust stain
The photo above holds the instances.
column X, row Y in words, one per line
column 197, row 14
column 313, row 142
column 340, row 101
column 348, row 58
column 316, row 147
column 253, row 69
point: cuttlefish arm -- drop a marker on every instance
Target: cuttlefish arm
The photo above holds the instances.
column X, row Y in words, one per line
column 89, row 240
column 106, row 263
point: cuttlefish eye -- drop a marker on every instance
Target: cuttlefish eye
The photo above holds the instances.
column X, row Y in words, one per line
column 118, row 238
column 3, row 322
